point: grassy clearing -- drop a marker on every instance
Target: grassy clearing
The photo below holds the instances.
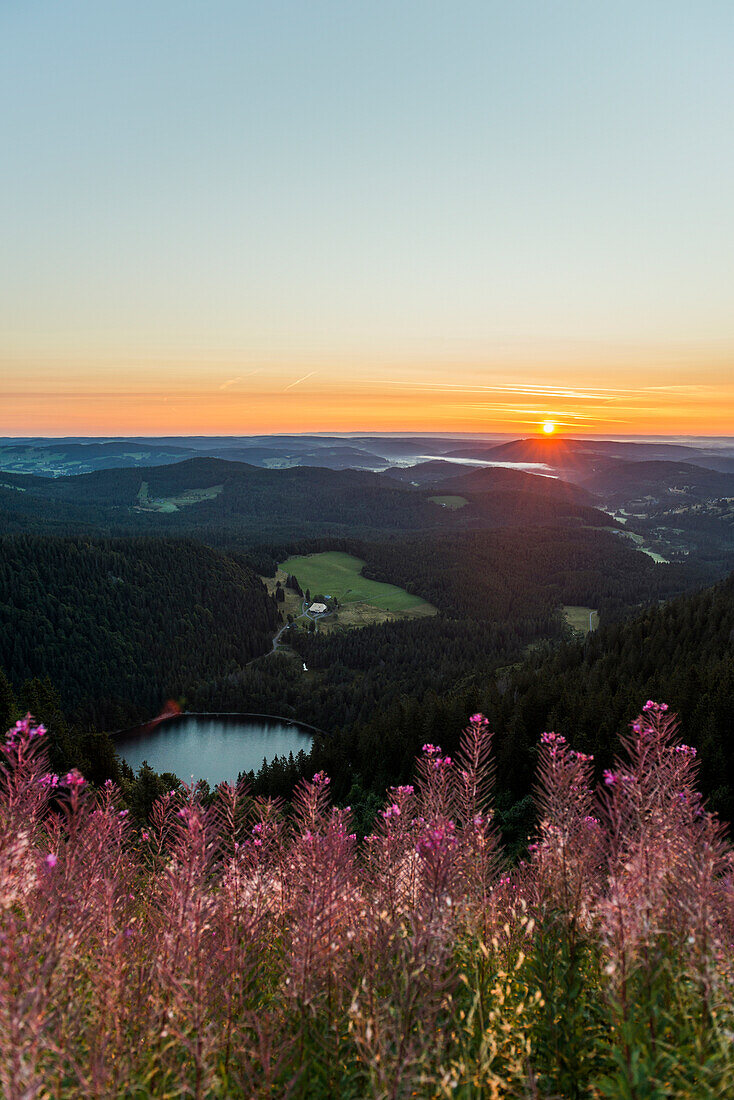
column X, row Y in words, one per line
column 581, row 619
column 334, row 573
column 172, row 504
column 639, row 541
column 449, row 502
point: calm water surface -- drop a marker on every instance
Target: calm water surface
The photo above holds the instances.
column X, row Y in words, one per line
column 212, row 748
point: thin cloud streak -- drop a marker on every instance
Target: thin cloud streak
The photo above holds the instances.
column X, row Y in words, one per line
column 597, row 394
column 240, row 378
column 299, row 380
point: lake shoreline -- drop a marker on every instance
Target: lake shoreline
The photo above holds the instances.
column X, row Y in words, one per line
column 144, row 727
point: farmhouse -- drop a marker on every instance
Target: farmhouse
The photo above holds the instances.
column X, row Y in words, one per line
column 318, row 608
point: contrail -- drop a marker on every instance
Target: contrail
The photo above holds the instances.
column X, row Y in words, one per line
column 299, row 380
column 239, row 378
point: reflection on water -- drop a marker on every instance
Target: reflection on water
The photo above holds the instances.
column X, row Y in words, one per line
column 212, row 748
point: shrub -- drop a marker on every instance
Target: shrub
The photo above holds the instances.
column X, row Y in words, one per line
column 251, row 950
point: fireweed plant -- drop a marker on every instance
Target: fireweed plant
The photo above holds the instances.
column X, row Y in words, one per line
column 242, row 951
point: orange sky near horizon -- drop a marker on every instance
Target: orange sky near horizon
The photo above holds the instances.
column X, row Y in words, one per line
column 225, row 396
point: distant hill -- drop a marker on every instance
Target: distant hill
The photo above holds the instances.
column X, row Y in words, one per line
column 501, row 478
column 233, row 503
column 423, row 473
column 52, row 458
column 661, row 479
column 556, row 452
column 202, row 496
column 564, row 453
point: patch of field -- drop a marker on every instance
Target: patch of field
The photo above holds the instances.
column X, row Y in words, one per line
column 581, row 619
column 293, row 603
column 336, row 574
column 655, row 556
column 449, row 502
column 279, row 463
column 639, row 543
column 172, row 504
column 364, row 614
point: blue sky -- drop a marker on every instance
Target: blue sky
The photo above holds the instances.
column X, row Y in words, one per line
column 374, row 192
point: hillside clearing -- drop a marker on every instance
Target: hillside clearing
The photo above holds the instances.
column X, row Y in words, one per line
column 361, row 600
column 581, row 619
column 181, row 500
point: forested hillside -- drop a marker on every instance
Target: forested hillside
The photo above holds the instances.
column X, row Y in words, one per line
column 217, row 501
column 682, row 650
column 235, row 504
column 487, row 479
column 663, row 479
column 527, row 571
column 119, row 625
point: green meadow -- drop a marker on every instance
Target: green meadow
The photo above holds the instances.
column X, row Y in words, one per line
column 581, row 619
column 334, row 573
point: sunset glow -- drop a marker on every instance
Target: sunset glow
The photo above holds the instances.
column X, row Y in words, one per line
column 549, row 427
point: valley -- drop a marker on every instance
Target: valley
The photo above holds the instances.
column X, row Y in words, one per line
column 436, row 576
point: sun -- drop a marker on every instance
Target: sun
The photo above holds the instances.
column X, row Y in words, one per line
column 549, row 427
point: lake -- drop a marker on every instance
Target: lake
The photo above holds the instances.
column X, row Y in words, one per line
column 213, row 747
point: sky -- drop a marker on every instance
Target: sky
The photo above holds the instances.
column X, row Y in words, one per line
column 229, row 217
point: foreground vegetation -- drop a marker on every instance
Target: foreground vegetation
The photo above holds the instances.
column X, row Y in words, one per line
column 237, row 951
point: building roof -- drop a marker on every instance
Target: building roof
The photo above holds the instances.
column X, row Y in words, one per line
column 318, row 608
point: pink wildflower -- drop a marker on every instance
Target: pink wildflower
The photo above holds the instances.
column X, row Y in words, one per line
column 552, row 738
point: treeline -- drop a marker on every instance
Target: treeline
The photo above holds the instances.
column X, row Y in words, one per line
column 121, row 625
